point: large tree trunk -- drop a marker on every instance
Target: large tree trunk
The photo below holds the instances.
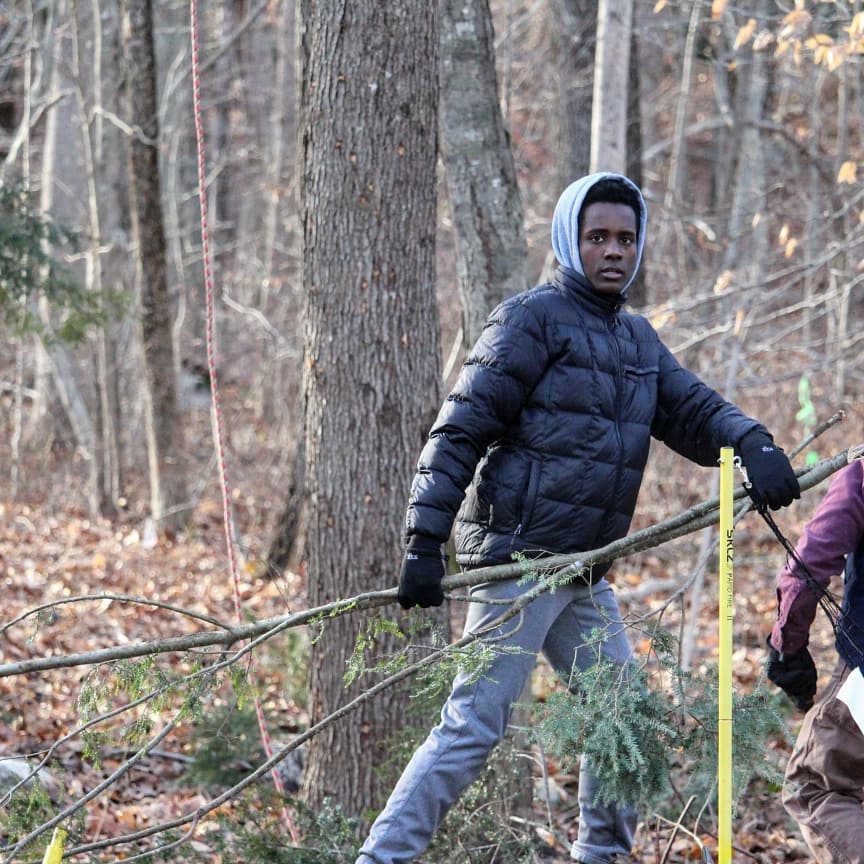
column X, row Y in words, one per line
column 491, row 251
column 168, row 486
column 372, row 364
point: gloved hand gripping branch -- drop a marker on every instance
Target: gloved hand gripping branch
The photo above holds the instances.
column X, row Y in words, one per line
column 771, row 478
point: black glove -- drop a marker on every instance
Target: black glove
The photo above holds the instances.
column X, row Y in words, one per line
column 794, row 674
column 422, row 572
column 772, row 481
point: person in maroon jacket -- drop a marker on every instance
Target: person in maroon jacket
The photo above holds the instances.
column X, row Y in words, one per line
column 824, row 785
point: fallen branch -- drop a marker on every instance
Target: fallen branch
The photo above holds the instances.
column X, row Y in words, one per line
column 550, row 571
column 564, row 568
column 692, row 519
column 193, row 817
column 119, row 598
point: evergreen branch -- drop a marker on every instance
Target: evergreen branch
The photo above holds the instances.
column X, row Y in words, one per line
column 74, row 733
column 259, row 772
column 266, row 767
column 547, row 579
column 143, row 751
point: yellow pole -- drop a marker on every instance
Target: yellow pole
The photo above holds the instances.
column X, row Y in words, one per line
column 724, row 697
column 54, row 852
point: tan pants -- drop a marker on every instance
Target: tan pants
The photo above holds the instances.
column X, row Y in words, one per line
column 824, row 787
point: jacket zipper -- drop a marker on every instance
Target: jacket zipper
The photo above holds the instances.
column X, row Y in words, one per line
column 619, row 391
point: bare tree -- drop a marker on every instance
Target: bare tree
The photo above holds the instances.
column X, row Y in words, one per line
column 371, row 368
column 54, row 363
column 168, row 486
column 575, row 36
column 95, row 34
column 637, row 292
column 481, row 177
column 745, row 229
column 611, row 76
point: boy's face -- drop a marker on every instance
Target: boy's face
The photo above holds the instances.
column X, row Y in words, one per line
column 608, row 245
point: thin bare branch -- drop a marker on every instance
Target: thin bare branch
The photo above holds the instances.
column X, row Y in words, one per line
column 120, row 598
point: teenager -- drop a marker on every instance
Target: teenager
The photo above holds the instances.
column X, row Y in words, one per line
column 540, row 449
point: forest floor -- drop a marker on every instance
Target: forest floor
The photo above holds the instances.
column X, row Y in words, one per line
column 50, row 550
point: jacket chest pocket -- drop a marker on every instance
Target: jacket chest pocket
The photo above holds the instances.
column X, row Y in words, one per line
column 639, row 391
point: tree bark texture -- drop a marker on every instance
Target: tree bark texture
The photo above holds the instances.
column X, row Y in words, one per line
column 164, row 431
column 745, row 233
column 575, row 33
column 491, row 251
column 371, row 345
column 637, row 293
column 611, row 76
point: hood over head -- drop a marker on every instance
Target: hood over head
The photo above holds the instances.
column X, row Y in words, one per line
column 565, row 221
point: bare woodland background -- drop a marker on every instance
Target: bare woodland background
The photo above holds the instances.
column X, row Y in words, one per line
column 377, row 176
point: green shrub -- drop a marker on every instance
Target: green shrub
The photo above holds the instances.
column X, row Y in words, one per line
column 641, row 736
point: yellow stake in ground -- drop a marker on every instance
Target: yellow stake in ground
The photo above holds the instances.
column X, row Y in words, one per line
column 54, row 852
column 724, row 696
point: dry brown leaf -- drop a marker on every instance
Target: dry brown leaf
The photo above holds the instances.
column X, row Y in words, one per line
column 745, row 34
column 848, row 172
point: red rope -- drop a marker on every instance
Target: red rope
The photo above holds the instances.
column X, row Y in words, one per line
column 216, row 417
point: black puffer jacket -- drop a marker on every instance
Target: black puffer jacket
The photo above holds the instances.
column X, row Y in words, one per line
column 550, row 423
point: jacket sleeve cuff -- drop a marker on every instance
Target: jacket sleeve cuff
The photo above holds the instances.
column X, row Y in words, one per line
column 786, row 645
column 424, row 543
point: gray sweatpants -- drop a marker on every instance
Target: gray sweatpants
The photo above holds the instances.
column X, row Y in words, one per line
column 475, row 717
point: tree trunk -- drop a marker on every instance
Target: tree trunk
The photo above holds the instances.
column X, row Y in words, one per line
column 106, row 453
column 54, row 363
column 575, row 32
column 372, row 357
column 491, row 251
column 637, row 294
column 282, row 132
column 676, row 178
column 725, row 145
column 611, row 76
column 164, row 433
column 746, row 242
